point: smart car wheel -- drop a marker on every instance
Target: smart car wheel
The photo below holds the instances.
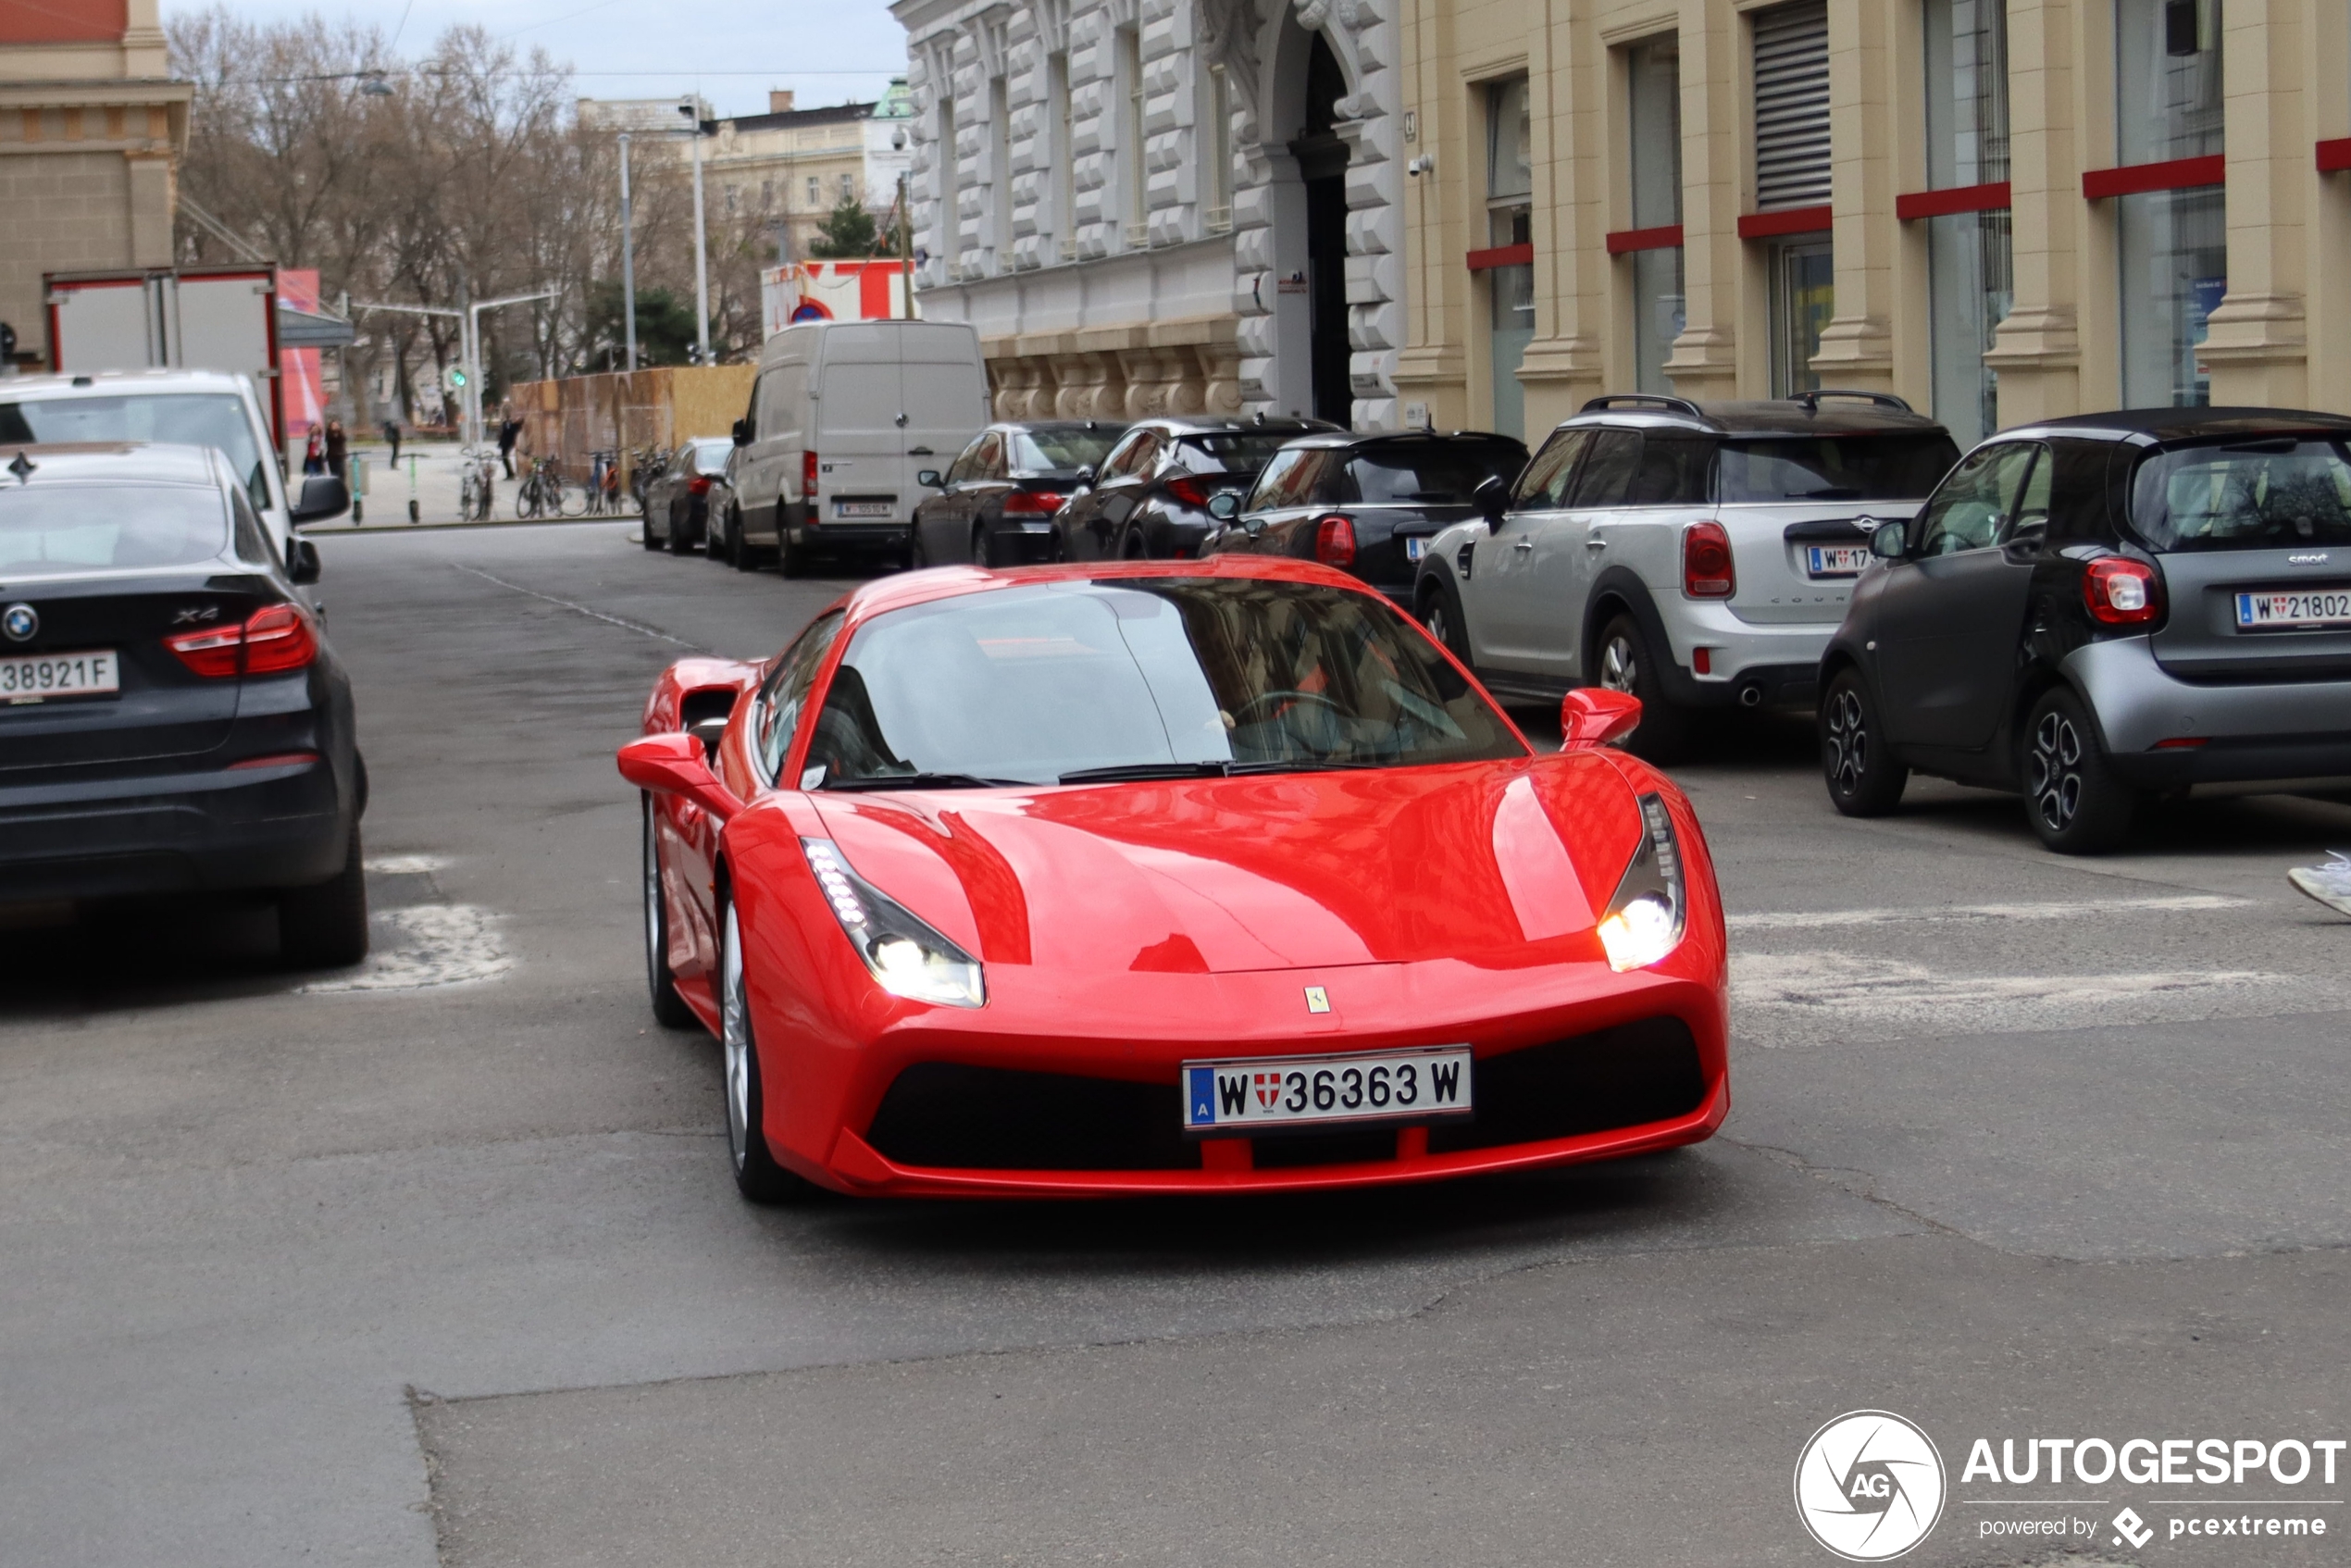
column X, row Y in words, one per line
column 758, row 1176
column 2076, row 804
column 1863, row 777
column 669, row 1008
column 1623, row 662
column 1441, row 614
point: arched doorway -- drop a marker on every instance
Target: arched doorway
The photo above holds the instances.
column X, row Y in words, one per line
column 1322, row 166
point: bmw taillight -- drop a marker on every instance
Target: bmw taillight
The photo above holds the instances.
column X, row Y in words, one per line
column 1707, row 570
column 272, row 639
column 1032, row 502
column 1188, row 490
column 1335, row 539
column 2118, row 590
column 698, row 485
column 808, row 476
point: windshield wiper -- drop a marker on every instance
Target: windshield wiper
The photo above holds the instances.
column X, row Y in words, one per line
column 924, row 781
column 1301, row 764
column 1129, row 772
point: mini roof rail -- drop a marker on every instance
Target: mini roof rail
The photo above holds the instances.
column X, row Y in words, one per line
column 1811, row 400
column 1643, row 400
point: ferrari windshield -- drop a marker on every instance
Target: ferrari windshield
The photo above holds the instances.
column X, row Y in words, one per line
column 1142, row 678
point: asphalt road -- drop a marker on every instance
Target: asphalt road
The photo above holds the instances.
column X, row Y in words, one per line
column 440, row 1257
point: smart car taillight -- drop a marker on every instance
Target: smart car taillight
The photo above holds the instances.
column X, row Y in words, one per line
column 272, row 639
column 1335, row 539
column 2118, row 590
column 808, row 476
column 1032, row 502
column 1707, row 570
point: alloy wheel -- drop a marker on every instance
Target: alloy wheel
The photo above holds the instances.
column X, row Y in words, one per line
column 2056, row 770
column 1848, row 733
column 1435, row 621
column 734, row 1034
column 1619, row 666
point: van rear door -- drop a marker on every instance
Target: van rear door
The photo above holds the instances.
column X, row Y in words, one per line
column 861, row 451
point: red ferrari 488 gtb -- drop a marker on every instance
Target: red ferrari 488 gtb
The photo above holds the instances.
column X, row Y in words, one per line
column 1166, row 876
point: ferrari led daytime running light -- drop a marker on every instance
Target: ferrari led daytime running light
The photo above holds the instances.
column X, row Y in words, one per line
column 905, row 956
column 1645, row 919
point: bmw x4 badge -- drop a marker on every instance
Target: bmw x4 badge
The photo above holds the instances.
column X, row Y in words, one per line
column 19, row 621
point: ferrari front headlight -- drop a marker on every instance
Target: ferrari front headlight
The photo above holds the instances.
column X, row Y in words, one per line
column 1645, row 918
column 906, row 956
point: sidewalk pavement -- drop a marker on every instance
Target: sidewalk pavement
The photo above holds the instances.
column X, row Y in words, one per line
column 430, row 473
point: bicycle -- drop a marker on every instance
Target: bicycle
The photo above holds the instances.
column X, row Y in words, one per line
column 543, row 493
column 477, row 486
column 652, row 461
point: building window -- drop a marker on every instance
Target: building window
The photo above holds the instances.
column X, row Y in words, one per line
column 2173, row 244
column 1654, row 96
column 766, row 194
column 848, row 187
column 1216, row 152
column 1057, row 116
column 1510, row 213
column 1792, row 152
column 1971, row 276
column 1129, row 87
column 1000, row 171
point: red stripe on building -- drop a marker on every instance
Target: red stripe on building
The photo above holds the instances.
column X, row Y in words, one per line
column 1790, row 220
column 2178, row 174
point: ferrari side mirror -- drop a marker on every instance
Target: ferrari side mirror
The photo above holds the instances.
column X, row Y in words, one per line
column 1891, row 542
column 1594, row 716
column 674, row 763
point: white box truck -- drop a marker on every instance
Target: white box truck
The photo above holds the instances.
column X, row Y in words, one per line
column 220, row 319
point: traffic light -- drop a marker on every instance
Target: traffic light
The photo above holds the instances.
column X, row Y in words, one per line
column 454, row 377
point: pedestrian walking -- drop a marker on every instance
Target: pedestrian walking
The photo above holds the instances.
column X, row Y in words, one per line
column 391, row 434
column 337, row 451
column 509, row 432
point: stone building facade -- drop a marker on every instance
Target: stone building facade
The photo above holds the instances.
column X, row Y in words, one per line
column 91, row 131
column 789, row 168
column 1164, row 205
column 2000, row 209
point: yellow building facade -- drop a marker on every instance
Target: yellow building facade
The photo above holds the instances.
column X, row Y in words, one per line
column 2000, row 211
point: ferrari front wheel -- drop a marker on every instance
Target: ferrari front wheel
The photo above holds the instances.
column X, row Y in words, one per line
column 669, row 1008
column 758, row 1176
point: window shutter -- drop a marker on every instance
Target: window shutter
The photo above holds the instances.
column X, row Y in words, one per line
column 1792, row 106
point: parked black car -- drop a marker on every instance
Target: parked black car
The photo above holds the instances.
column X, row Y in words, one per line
column 1000, row 494
column 1149, row 497
column 171, row 716
column 1367, row 505
column 2102, row 609
column 682, row 499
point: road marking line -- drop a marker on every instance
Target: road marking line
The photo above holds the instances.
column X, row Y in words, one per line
column 1838, row 982
column 405, row 864
column 621, row 621
column 1800, row 920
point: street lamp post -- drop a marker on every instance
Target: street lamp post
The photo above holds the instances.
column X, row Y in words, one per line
column 473, row 324
column 691, row 109
column 627, row 260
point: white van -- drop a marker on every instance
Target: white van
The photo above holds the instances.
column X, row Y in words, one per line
column 843, row 417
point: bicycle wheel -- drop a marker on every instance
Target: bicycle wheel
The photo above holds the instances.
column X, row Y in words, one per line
column 570, row 502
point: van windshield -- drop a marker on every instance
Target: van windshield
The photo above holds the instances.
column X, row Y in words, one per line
column 1901, row 467
column 2247, row 495
column 214, row 420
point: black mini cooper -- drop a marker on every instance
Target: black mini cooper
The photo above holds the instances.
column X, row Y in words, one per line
column 2103, row 609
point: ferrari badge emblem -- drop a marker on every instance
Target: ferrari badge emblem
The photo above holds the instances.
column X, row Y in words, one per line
column 1317, row 1000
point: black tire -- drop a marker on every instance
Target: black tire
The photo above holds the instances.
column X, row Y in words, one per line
column 2071, row 796
column 917, row 553
column 739, row 554
column 791, row 559
column 983, row 552
column 1132, row 545
column 1864, row 777
column 1623, row 661
column 1441, row 614
column 651, row 542
column 669, row 1009
column 678, row 545
column 325, row 925
column 716, row 548
column 758, row 1176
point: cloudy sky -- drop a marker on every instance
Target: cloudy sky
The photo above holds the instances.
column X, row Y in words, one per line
column 731, row 51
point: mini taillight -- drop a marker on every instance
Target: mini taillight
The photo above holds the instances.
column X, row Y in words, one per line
column 1186, row 489
column 276, row 638
column 698, row 485
column 2118, row 590
column 808, row 476
column 1032, row 502
column 1335, row 541
column 1707, row 571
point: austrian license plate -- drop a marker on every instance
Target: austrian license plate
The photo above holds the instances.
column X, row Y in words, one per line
column 1416, row 548
column 1283, row 1091
column 96, row 672
column 861, row 508
column 1836, row 560
column 2287, row 612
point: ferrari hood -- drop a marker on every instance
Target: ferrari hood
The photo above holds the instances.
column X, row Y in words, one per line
column 1491, row 863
